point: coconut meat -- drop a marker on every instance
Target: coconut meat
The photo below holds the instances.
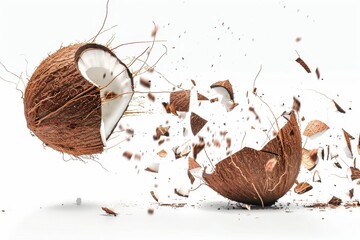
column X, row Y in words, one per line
column 106, row 72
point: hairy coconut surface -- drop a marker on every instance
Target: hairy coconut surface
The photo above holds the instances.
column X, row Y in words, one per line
column 246, row 176
column 63, row 108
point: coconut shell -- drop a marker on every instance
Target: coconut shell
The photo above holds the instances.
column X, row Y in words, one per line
column 244, row 176
column 61, row 107
column 225, row 84
column 180, row 100
column 314, row 127
column 196, row 123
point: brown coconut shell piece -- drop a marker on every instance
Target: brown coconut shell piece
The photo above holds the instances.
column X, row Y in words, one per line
column 302, row 188
column 309, row 158
column 348, row 137
column 355, row 173
column 225, row 84
column 61, row 107
column 242, row 177
column 314, row 127
column 180, row 100
column 201, row 97
column 358, row 146
column 196, row 123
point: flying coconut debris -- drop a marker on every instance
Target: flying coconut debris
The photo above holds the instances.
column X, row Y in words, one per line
column 314, row 127
column 180, row 100
column 76, row 97
column 242, row 177
column 302, row 188
column 196, row 123
column 309, row 158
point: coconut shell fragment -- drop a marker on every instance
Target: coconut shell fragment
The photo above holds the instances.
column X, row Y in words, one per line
column 309, row 158
column 355, row 173
column 226, row 85
column 348, row 137
column 340, row 109
column 196, row 123
column 303, row 64
column 358, row 146
column 314, row 127
column 244, row 176
column 180, row 100
column 65, row 106
column 302, row 188
column 201, row 97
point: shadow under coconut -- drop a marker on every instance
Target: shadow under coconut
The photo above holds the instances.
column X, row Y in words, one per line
column 234, row 206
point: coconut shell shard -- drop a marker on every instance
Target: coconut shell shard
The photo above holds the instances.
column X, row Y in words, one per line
column 242, row 177
column 226, row 85
column 67, row 108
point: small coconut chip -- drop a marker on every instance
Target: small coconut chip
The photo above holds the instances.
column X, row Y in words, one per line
column 180, row 100
column 198, row 148
column 226, row 85
column 348, row 137
column 153, row 167
column 309, row 158
column 161, row 131
column 303, row 64
column 351, row 193
column 182, row 150
column 191, row 177
column 358, row 146
column 127, row 155
column 335, row 201
column 314, row 127
column 154, row 196
column 169, row 108
column 214, row 100
column 296, row 104
column 201, row 97
column 317, row 71
column 182, row 192
column 252, row 109
column 302, row 188
column 151, row 97
column 145, row 82
column 193, row 82
column 162, row 153
column 340, row 109
column 316, row 176
column 76, row 97
column 150, row 211
column 355, row 173
column 242, row 176
column 196, row 123
column 109, row 211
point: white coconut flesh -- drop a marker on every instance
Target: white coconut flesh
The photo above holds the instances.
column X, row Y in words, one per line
column 106, row 72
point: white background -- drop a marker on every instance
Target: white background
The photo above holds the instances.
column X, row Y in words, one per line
column 207, row 41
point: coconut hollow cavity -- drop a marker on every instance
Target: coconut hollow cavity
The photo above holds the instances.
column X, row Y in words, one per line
column 76, row 97
column 260, row 177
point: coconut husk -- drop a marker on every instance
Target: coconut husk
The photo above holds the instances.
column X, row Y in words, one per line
column 61, row 107
column 201, row 97
column 243, row 176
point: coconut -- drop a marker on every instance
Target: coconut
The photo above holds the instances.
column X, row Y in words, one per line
column 76, row 97
column 247, row 177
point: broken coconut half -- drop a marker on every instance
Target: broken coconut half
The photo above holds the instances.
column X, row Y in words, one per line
column 76, row 97
column 246, row 176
